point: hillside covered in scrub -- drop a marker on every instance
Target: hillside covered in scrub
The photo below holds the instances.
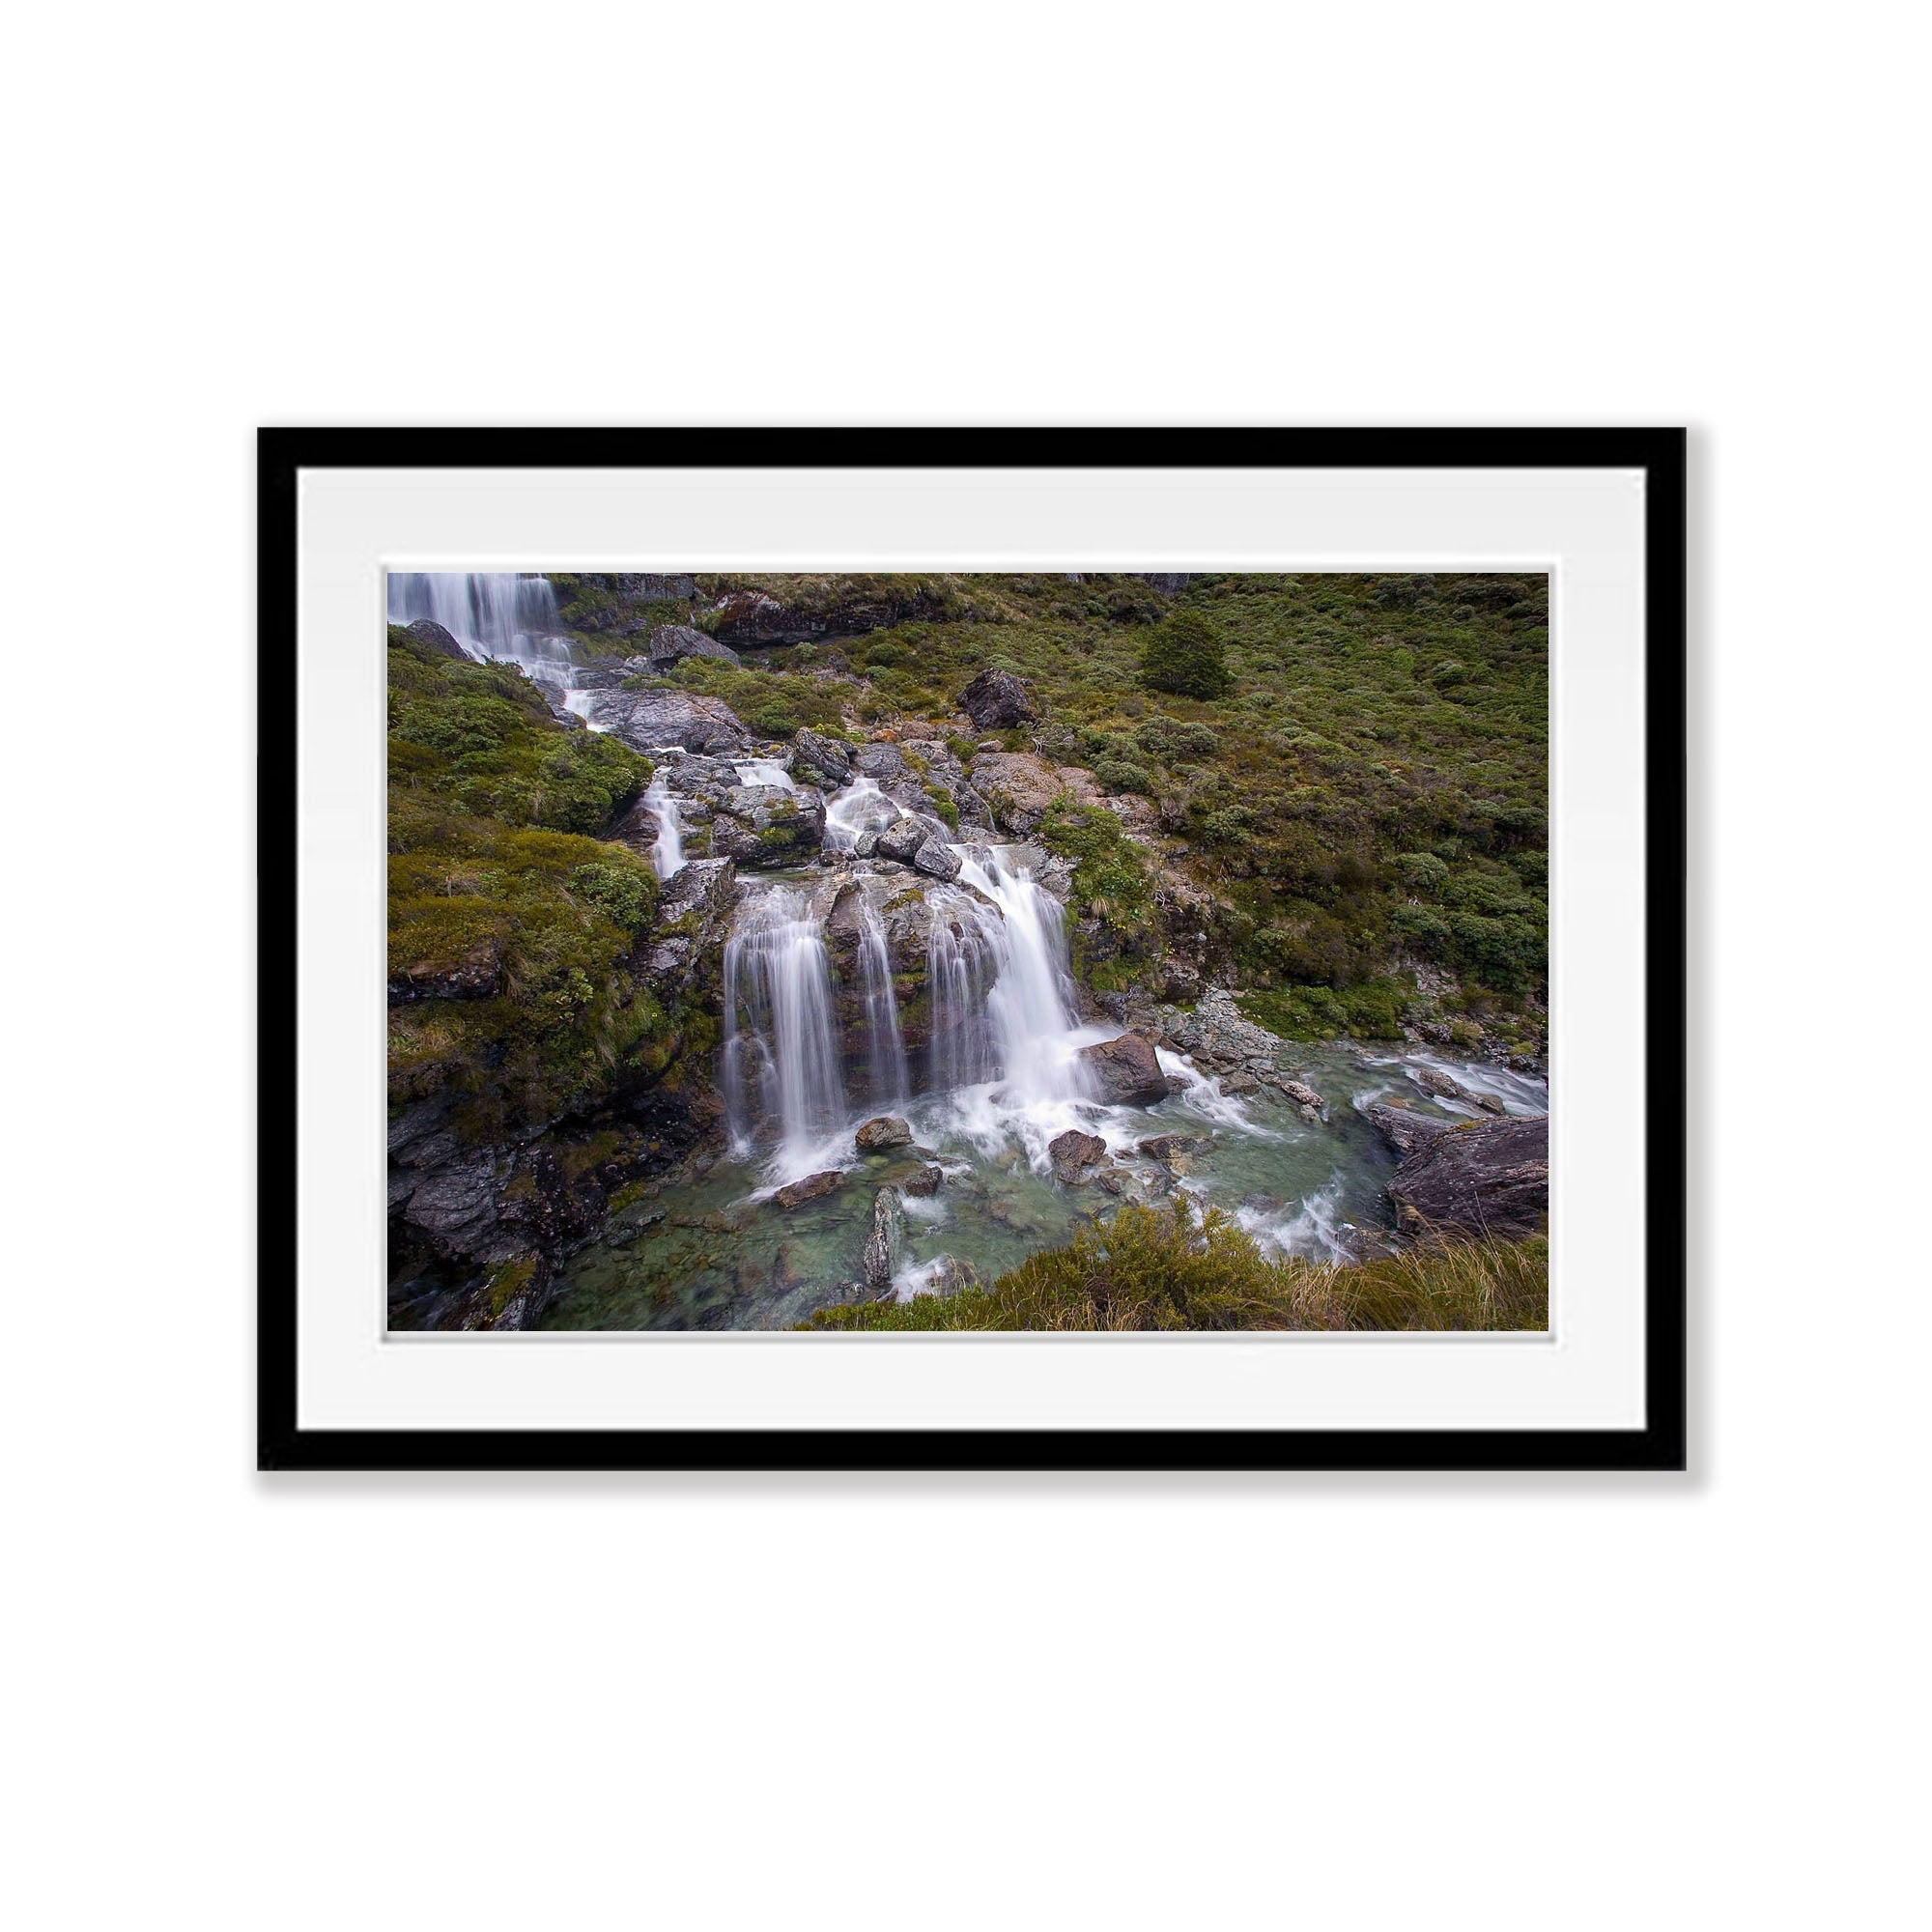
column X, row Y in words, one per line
column 1275, row 808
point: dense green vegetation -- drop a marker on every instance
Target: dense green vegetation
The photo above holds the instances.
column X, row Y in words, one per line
column 1151, row 1268
column 1184, row 656
column 510, row 931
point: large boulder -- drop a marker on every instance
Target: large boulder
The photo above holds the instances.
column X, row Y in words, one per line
column 670, row 642
column 996, row 700
column 1017, row 788
column 887, row 1130
column 426, row 630
column 1124, row 1071
column 767, row 827
column 1072, row 1153
column 1492, row 1179
column 885, row 763
column 902, row 840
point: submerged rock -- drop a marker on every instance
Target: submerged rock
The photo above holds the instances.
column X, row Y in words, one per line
column 887, row 1130
column 926, row 1182
column 795, row 1193
column 885, row 1246
column 996, row 700
column 1125, row 1071
column 1173, row 1151
column 1072, row 1153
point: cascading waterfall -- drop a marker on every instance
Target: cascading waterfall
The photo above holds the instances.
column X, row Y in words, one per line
column 962, row 959
column 668, row 848
column 765, row 772
column 781, row 1049
column 885, row 1044
column 1031, row 999
column 492, row 613
column 862, row 806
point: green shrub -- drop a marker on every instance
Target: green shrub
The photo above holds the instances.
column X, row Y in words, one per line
column 1186, row 657
column 1116, row 774
column 1174, row 742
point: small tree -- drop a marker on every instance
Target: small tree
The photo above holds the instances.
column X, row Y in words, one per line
column 1185, row 656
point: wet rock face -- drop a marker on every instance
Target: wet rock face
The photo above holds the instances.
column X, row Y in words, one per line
column 1488, row 1180
column 796, row 1193
column 996, row 700
column 647, row 720
column 1173, row 1151
column 1405, row 1131
column 902, row 840
column 1072, row 1153
column 1443, row 1088
column 1124, row 1071
column 698, row 900
column 936, row 859
column 429, row 632
column 887, row 1130
column 926, row 1182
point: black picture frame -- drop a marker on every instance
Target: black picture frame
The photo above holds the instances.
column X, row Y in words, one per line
column 283, row 1444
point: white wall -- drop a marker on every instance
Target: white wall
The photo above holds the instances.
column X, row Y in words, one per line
column 1521, row 1703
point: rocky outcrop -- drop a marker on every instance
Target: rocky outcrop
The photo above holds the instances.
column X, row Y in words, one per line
column 426, row 630
column 753, row 617
column 1017, row 788
column 885, row 1131
column 693, row 915
column 1443, row 1088
column 1491, row 1178
column 478, row 976
column 1072, row 1153
column 884, row 1246
column 646, row 720
column 670, row 642
column 1169, row 583
column 996, row 700
column 1124, row 1071
column 813, row 1188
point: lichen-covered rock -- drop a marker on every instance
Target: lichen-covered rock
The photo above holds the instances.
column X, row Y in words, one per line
column 902, row 840
column 887, row 1130
column 996, row 700
column 1124, row 1071
column 766, row 827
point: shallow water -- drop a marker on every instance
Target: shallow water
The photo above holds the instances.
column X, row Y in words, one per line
column 717, row 1252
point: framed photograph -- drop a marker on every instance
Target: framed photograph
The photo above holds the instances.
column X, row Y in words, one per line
column 969, row 948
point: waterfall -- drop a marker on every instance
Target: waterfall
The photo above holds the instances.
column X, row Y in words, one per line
column 780, row 1052
column 763, row 772
column 1031, row 1000
column 668, row 848
column 962, row 958
column 496, row 615
column 862, row 806
column 885, row 1046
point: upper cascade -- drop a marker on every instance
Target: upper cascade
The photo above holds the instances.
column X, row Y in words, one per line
column 496, row 614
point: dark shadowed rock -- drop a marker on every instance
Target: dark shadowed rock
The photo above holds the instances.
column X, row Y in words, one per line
column 1169, row 583
column 433, row 634
column 887, row 1130
column 885, row 1246
column 1405, row 1131
column 1488, row 1180
column 795, row 1193
column 1124, row 1071
column 457, row 1206
column 478, row 976
column 927, row 1181
column 670, row 642
column 996, row 700
column 1072, row 1153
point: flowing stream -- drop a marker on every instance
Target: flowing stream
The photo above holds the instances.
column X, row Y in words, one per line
column 494, row 614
